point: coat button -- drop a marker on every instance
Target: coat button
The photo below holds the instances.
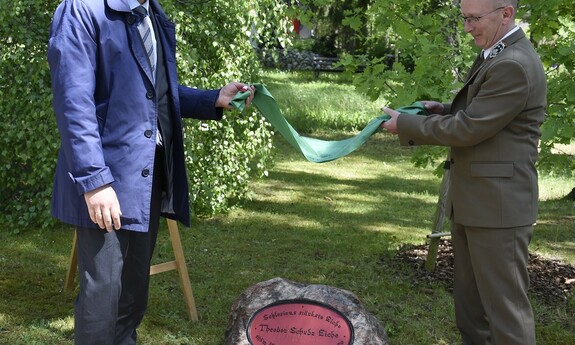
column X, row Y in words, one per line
column 149, row 95
column 411, row 142
column 148, row 133
column 145, row 173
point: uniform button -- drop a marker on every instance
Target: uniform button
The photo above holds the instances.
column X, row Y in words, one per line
column 145, row 173
column 411, row 142
column 148, row 133
column 149, row 95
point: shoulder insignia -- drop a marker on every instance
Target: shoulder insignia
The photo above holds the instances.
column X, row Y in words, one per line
column 496, row 50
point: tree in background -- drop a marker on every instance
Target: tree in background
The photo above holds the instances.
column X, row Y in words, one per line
column 216, row 44
column 213, row 47
column 327, row 19
column 433, row 53
column 552, row 28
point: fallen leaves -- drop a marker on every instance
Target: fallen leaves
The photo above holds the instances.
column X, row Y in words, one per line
column 551, row 280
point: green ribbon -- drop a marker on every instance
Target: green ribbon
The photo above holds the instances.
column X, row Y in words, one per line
column 314, row 150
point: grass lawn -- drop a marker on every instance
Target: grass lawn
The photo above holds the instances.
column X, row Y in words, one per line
column 338, row 223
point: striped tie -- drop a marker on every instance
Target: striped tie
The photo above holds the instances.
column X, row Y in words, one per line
column 148, row 38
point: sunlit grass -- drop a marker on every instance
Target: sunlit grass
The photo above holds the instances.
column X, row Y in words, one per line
column 554, row 187
column 330, row 102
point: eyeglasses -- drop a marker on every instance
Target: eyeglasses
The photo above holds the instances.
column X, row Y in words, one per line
column 474, row 20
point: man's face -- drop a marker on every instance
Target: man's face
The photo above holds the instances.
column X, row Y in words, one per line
column 489, row 28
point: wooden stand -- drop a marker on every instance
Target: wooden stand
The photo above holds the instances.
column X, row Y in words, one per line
column 436, row 232
column 179, row 264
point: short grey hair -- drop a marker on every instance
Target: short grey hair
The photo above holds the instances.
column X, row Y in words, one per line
column 513, row 3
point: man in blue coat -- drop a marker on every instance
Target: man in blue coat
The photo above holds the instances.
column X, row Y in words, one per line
column 121, row 165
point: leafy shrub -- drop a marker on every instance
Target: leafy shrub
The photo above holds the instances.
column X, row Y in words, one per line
column 213, row 48
column 29, row 139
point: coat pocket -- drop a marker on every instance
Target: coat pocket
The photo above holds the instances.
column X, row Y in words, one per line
column 492, row 169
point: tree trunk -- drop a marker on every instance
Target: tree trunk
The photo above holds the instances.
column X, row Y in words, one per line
column 570, row 196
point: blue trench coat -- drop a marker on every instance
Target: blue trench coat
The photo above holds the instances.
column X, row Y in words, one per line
column 106, row 111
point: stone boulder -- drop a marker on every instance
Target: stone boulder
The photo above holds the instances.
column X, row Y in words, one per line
column 366, row 328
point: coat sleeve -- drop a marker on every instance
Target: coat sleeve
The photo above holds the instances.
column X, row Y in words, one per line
column 72, row 58
column 199, row 104
column 496, row 100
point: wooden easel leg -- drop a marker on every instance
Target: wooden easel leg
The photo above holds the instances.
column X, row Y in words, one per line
column 73, row 265
column 432, row 254
column 182, row 269
column 436, row 233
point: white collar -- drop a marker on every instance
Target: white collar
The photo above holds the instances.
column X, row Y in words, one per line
column 135, row 3
column 487, row 51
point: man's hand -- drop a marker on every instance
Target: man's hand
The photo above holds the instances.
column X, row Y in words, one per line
column 434, row 107
column 391, row 124
column 104, row 207
column 229, row 91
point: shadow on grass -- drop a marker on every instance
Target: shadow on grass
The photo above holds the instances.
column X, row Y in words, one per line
column 33, row 266
column 329, row 229
column 321, row 228
column 309, row 225
column 380, row 201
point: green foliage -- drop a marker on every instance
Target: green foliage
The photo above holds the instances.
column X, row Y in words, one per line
column 433, row 54
column 213, row 49
column 552, row 28
column 336, row 24
column 222, row 156
column 436, row 43
column 29, row 139
column 426, row 41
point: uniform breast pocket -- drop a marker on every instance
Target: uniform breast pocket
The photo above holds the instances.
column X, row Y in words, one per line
column 492, row 169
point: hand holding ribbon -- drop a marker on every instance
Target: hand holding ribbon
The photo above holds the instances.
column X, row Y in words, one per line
column 314, row 150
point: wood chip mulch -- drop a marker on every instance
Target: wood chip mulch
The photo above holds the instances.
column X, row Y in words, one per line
column 551, row 281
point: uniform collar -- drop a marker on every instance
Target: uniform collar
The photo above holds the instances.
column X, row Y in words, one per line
column 499, row 46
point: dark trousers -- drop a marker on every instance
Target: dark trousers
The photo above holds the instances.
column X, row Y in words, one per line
column 491, row 283
column 114, row 274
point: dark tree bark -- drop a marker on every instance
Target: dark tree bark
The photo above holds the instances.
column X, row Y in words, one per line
column 571, row 195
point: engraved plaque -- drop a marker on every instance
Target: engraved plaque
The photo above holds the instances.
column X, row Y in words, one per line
column 299, row 322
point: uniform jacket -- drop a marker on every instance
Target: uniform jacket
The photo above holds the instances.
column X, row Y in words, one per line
column 105, row 106
column 493, row 129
